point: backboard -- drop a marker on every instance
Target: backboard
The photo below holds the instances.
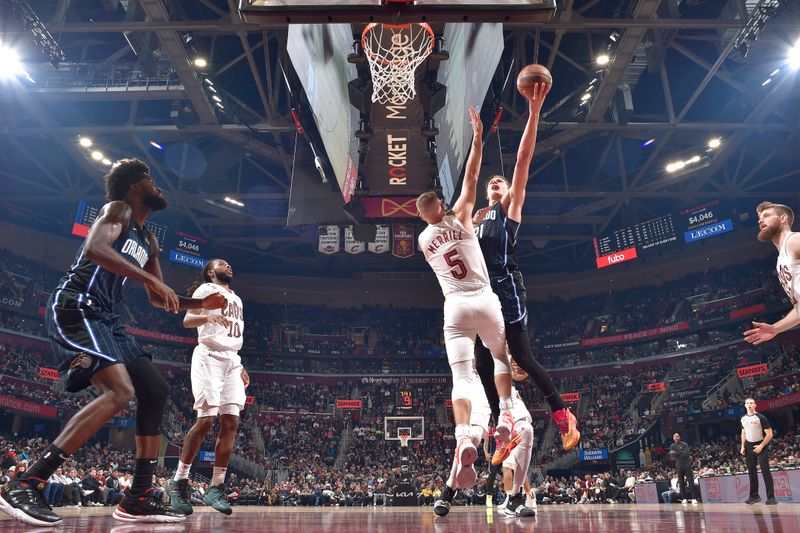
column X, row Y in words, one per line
column 278, row 12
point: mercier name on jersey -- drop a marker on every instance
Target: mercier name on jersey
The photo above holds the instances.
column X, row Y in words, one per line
column 454, row 255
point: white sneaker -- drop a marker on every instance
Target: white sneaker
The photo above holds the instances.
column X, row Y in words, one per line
column 530, row 501
column 684, row 501
column 502, row 506
column 504, row 427
column 694, row 502
column 465, row 456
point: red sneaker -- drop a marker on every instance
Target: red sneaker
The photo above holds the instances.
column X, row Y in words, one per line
column 505, row 449
column 568, row 426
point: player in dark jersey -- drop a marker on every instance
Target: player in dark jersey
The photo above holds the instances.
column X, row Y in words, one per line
column 496, row 227
column 92, row 347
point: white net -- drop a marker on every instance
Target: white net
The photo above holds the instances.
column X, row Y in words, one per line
column 394, row 52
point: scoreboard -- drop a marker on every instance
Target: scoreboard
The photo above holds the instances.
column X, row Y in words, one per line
column 404, row 399
column 186, row 249
column 86, row 214
column 694, row 223
column 643, row 236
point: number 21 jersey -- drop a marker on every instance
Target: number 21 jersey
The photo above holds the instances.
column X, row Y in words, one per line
column 216, row 336
column 454, row 255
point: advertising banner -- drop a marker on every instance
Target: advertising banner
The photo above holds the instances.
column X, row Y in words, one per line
column 348, row 404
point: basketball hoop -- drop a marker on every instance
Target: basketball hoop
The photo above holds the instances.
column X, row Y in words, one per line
column 404, row 440
column 394, row 51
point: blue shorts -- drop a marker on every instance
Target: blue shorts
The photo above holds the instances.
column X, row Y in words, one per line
column 84, row 343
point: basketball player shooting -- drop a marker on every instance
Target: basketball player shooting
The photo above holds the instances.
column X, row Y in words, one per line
column 470, row 308
column 496, row 227
column 92, row 347
column 218, row 384
column 775, row 225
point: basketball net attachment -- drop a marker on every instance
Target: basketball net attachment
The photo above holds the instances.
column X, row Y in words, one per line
column 394, row 51
column 404, row 437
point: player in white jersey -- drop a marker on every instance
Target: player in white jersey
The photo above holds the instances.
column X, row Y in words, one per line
column 480, row 414
column 471, row 308
column 516, row 463
column 218, row 386
column 775, row 225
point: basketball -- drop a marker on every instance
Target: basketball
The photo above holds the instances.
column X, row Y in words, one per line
column 530, row 75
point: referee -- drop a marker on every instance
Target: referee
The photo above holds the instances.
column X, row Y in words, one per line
column 756, row 435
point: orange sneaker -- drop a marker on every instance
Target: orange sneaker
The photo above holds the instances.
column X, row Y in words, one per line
column 568, row 426
column 505, row 449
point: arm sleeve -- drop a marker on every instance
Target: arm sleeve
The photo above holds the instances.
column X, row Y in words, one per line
column 764, row 422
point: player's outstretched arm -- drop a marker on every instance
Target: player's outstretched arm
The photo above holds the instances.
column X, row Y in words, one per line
column 466, row 200
column 763, row 332
column 514, row 199
column 162, row 296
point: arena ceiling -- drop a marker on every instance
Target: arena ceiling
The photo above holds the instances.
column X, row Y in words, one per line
column 675, row 79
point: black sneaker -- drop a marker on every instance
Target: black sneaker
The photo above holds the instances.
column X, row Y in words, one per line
column 180, row 496
column 772, row 501
column 442, row 506
column 22, row 500
column 516, row 506
column 752, row 499
column 145, row 508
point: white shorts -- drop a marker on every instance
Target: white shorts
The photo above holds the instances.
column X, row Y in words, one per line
column 467, row 314
column 216, row 380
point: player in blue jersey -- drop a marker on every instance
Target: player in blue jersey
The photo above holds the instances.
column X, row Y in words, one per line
column 496, row 227
column 91, row 347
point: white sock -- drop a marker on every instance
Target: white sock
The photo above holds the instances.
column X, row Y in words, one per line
column 183, row 471
column 463, row 430
column 218, row 477
column 505, row 403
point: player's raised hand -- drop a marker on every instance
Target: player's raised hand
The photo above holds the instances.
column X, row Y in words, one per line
column 214, row 301
column 538, row 95
column 475, row 118
column 219, row 319
column 760, row 333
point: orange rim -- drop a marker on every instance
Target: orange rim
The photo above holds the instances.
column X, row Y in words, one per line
column 407, row 26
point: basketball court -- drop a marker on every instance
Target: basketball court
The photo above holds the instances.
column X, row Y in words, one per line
column 624, row 517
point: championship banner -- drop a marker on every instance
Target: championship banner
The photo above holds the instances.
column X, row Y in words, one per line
column 328, row 239
column 402, row 241
column 752, row 370
column 348, row 404
column 381, row 243
column 391, row 207
column 250, row 400
column 351, row 245
column 658, row 386
column 31, row 408
column 570, row 397
column 49, row 373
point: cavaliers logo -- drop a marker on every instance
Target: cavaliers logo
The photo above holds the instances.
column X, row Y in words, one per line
column 390, row 208
column 81, row 361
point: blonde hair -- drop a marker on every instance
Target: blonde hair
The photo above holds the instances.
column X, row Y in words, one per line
column 425, row 200
column 780, row 208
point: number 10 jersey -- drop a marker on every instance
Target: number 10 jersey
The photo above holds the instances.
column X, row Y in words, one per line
column 216, row 336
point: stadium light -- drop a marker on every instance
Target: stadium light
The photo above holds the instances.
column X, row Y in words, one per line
column 10, row 65
column 97, row 155
column 86, row 142
column 793, row 58
column 714, row 142
column 107, row 161
column 200, row 62
column 675, row 166
column 602, row 59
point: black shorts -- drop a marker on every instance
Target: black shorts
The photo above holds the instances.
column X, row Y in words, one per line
column 84, row 343
column 510, row 289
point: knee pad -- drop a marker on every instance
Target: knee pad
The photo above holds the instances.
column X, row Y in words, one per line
column 462, row 380
column 501, row 364
column 525, row 430
column 152, row 392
